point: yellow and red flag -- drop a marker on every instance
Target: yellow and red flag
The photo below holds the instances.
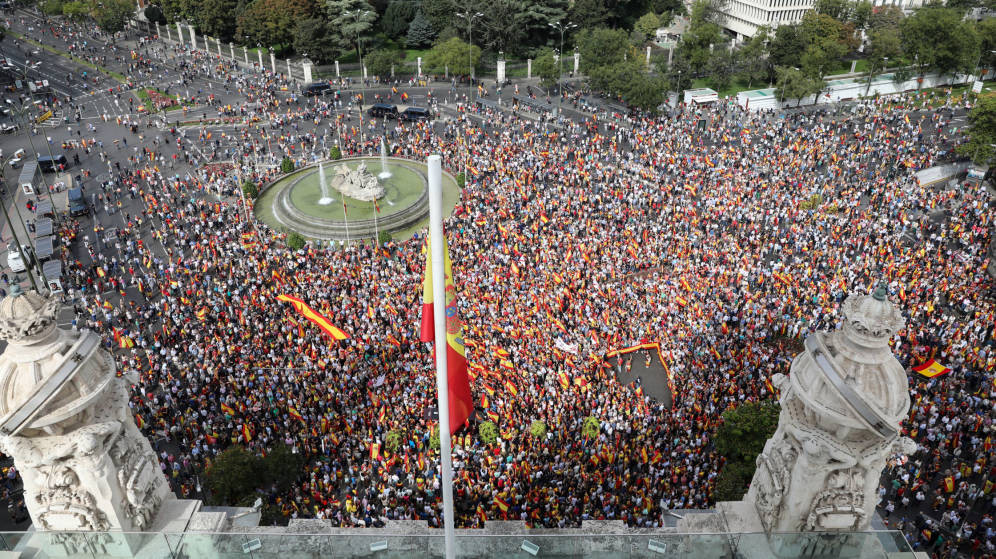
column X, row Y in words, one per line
column 246, row 433
column 502, row 504
column 461, row 403
column 316, row 318
column 227, row 409
column 375, row 451
column 931, row 369
column 295, row 414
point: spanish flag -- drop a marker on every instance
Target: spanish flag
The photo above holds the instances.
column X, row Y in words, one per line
column 461, row 403
column 227, row 409
column 510, row 386
column 295, row 414
column 309, row 313
column 949, row 484
column 564, row 381
column 931, row 369
column 246, row 433
column 375, row 451
column 139, row 421
column 502, row 504
column 202, row 314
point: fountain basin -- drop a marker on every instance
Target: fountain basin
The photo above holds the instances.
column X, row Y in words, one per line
column 294, row 202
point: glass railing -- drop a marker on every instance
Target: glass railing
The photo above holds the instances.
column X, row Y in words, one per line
column 270, row 544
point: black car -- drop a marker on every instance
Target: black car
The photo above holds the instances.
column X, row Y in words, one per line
column 383, row 110
column 416, row 113
column 317, row 89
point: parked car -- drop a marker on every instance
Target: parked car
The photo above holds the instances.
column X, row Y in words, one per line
column 77, row 203
column 416, row 113
column 14, row 260
column 383, row 110
column 318, row 88
column 8, row 128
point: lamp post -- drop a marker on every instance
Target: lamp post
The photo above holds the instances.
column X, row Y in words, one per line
column 13, row 230
column 560, row 60
column 470, row 37
column 359, row 43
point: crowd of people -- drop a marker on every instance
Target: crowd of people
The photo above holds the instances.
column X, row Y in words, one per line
column 723, row 235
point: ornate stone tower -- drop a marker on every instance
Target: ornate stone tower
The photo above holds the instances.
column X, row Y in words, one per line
column 64, row 418
column 841, row 410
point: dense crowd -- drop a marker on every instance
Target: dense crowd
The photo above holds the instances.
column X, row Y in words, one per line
column 725, row 236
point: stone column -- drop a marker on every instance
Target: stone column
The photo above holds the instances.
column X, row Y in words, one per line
column 158, row 31
column 648, row 56
column 418, row 63
column 231, row 50
column 501, row 71
column 670, row 56
column 217, row 42
column 306, row 67
column 577, row 62
column 168, row 34
column 273, row 61
column 85, row 464
column 259, row 52
column 337, row 68
column 179, row 31
column 289, row 75
column 529, row 68
column 193, row 37
column 245, row 54
column 364, row 71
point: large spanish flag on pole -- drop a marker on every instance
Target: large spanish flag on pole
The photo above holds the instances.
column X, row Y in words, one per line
column 461, row 403
column 316, row 318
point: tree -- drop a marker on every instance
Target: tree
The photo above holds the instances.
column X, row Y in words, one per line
column 862, row 13
column 249, row 189
column 313, row 37
column 217, row 18
column 396, row 18
column 648, row 24
column 281, row 467
column 335, row 153
column 940, row 40
column 821, row 35
column 884, row 46
column 420, row 32
column 792, row 83
column 601, row 47
column 589, row 14
column 644, row 91
column 272, row 22
column 381, row 61
column 839, row 10
column 753, row 58
column 887, row 16
column 679, row 76
column 155, row 14
column 537, row 429
column 180, row 10
column 231, row 477
column 112, row 15
column 76, row 10
column 786, row 45
column 721, row 67
column 295, row 241
column 744, row 430
column 546, row 68
column 987, row 31
column 52, row 7
column 701, row 38
column 488, row 432
column 982, row 131
column 452, row 54
column 502, row 26
column 535, row 17
column 286, row 165
column 591, row 427
column 353, row 18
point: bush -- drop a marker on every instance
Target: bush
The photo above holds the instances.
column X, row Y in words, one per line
column 250, row 190
column 335, row 153
column 391, row 441
column 384, row 237
column 488, row 432
column 231, row 476
column 434, row 438
column 461, row 180
column 732, row 483
column 537, row 429
column 591, row 427
column 286, row 165
column 295, row 241
column 814, row 202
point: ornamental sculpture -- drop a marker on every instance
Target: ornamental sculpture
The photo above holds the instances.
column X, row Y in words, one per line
column 358, row 184
column 64, row 418
column 841, row 408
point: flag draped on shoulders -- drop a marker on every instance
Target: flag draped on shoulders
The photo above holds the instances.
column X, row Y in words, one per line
column 316, row 318
column 461, row 403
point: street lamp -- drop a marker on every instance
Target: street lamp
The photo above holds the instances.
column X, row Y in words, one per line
column 560, row 60
column 470, row 37
column 359, row 43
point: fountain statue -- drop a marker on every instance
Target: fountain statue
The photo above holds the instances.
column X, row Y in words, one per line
column 358, row 184
column 384, row 173
column 325, row 200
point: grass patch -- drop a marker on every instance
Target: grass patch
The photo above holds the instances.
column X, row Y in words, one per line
column 411, row 55
column 119, row 77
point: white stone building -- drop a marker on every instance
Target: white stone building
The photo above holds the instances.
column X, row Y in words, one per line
column 744, row 17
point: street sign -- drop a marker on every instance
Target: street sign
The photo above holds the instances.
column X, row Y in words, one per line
column 977, row 86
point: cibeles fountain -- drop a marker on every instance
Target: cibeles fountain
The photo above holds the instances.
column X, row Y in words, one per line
column 64, row 419
column 841, row 409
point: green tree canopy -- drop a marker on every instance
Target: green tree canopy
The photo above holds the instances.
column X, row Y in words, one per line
column 380, row 61
column 217, row 18
column 793, row 83
column 822, row 36
column 940, row 40
column 353, row 19
column 272, row 22
column 231, row 477
column 420, row 32
column 982, row 132
column 396, row 18
column 313, row 37
column 701, row 38
column 546, row 68
column 601, row 47
column 648, row 24
column 452, row 54
column 745, row 429
column 112, row 15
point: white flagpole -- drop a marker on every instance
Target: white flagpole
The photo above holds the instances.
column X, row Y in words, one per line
column 439, row 322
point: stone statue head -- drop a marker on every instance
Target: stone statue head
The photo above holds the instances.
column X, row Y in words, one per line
column 26, row 317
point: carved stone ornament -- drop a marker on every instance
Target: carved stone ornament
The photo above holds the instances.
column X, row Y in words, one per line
column 26, row 316
column 359, row 184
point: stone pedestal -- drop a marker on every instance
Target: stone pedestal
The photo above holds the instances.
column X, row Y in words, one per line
column 273, row 61
column 419, row 67
column 529, row 68
column 501, row 72
column 307, row 68
column 65, row 420
column 193, row 37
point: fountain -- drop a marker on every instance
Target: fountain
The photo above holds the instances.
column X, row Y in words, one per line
column 384, row 173
column 325, row 200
